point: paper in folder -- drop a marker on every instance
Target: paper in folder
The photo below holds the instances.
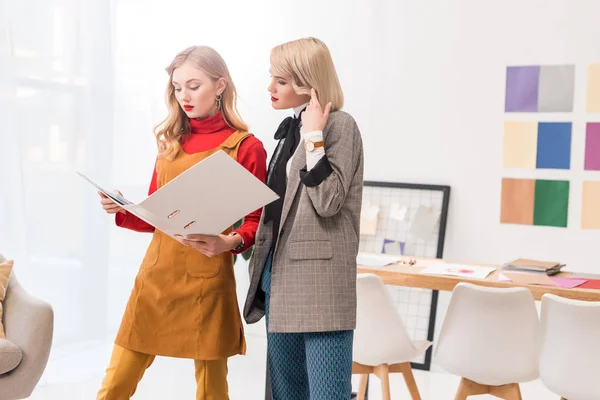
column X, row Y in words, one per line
column 206, row 199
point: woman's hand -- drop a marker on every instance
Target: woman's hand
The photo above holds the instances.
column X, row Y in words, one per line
column 313, row 118
column 109, row 206
column 212, row 246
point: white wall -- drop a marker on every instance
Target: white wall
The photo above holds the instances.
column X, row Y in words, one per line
column 450, row 102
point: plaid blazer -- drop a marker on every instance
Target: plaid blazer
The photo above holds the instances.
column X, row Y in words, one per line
column 313, row 284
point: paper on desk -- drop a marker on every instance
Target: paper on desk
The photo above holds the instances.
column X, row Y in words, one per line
column 204, row 199
column 569, row 283
column 525, row 278
column 369, row 215
column 376, row 260
column 464, row 271
column 424, row 221
column 503, row 278
column 591, row 284
column 566, row 283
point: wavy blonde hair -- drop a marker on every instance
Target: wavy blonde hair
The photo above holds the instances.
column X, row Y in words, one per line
column 168, row 132
column 309, row 64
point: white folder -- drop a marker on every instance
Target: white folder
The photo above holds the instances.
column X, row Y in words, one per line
column 206, row 199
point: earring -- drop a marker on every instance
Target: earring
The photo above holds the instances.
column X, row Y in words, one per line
column 218, row 101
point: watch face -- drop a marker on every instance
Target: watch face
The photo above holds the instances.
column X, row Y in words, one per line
column 308, row 145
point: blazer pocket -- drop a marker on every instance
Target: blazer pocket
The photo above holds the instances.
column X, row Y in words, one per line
column 310, row 250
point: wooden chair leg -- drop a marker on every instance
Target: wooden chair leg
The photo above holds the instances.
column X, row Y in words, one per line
column 506, row 392
column 463, row 391
column 409, row 378
column 362, row 387
column 468, row 388
column 383, row 373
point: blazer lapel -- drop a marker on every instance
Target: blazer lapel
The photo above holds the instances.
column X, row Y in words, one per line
column 298, row 162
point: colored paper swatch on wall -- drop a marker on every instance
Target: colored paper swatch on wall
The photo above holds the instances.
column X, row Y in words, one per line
column 520, row 144
column 593, row 89
column 592, row 146
column 522, row 85
column 551, row 203
column 554, row 145
column 518, row 197
column 557, row 88
column 547, row 88
column 590, row 207
column 534, row 202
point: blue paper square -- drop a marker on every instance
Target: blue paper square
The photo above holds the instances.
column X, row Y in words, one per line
column 554, row 145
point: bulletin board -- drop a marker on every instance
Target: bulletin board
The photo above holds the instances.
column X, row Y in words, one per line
column 408, row 219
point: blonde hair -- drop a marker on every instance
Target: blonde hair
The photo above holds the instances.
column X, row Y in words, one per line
column 169, row 131
column 309, row 64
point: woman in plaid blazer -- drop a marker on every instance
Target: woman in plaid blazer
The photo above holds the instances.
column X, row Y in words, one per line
column 303, row 271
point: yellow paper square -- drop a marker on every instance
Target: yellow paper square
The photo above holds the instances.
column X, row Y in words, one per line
column 593, row 89
column 590, row 208
column 520, row 144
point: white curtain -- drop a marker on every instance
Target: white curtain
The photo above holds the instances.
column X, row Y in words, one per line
column 57, row 113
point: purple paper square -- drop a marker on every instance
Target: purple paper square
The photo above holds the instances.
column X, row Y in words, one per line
column 592, row 147
column 522, row 84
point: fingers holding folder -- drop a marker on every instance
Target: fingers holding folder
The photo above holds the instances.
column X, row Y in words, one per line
column 109, row 205
column 209, row 245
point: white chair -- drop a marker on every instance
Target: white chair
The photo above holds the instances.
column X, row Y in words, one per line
column 570, row 347
column 381, row 344
column 489, row 338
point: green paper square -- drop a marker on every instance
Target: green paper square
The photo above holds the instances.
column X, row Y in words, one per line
column 551, row 203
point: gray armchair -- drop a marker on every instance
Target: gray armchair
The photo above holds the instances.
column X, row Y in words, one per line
column 29, row 326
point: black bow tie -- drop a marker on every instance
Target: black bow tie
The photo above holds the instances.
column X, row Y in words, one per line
column 288, row 134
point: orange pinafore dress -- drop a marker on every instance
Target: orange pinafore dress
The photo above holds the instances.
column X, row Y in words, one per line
column 183, row 303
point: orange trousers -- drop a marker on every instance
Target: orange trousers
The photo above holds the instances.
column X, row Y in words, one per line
column 127, row 367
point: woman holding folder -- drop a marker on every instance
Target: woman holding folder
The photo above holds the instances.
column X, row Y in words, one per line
column 184, row 302
column 303, row 271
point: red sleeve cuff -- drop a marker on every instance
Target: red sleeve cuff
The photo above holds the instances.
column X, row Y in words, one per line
column 121, row 219
column 130, row 221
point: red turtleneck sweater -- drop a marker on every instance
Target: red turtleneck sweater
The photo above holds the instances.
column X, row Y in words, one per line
column 205, row 135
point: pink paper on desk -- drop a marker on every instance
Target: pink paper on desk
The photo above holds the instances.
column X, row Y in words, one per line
column 569, row 283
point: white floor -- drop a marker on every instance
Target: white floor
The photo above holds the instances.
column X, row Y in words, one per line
column 78, row 377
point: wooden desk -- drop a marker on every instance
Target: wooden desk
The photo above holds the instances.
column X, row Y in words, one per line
column 405, row 275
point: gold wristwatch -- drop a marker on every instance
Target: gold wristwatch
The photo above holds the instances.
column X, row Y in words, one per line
column 309, row 145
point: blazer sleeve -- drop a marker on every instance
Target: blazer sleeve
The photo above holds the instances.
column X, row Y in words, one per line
column 327, row 184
